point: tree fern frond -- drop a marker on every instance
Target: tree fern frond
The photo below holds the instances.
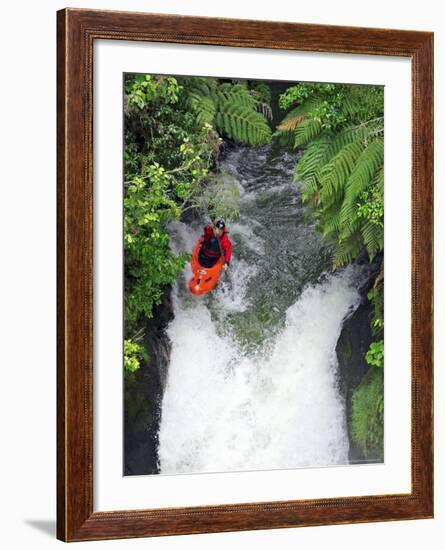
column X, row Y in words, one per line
column 306, row 131
column 373, row 238
column 243, row 125
column 296, row 114
column 313, row 159
column 291, row 123
column 350, row 221
column 203, row 106
column 360, row 179
column 240, row 86
column 225, row 87
column 310, row 190
column 194, row 98
column 204, row 85
column 330, row 223
column 341, row 168
column 351, row 105
column 334, row 174
column 347, row 250
column 232, row 108
column 367, row 165
column 241, row 98
column 378, row 180
column 356, row 133
column 205, row 113
column 265, row 109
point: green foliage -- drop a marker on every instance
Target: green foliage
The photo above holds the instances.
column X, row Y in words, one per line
column 304, row 91
column 334, row 105
column 144, row 89
column 375, row 354
column 218, row 198
column 136, row 376
column 307, row 130
column 243, row 124
column 324, row 104
column 233, row 109
column 341, row 128
column 134, row 354
column 149, row 262
column 261, row 91
column 368, row 398
column 368, row 414
column 375, row 296
column 167, row 153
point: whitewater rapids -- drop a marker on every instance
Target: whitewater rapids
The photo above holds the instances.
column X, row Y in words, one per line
column 236, row 401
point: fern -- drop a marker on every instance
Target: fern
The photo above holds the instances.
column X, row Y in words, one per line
column 232, row 108
column 238, row 97
column 324, row 148
column 296, row 115
column 307, row 130
column 331, row 224
column 356, row 168
column 203, row 105
column 369, row 162
column 367, row 165
column 204, row 86
column 335, row 173
column 342, row 164
column 347, row 250
column 243, row 125
column 291, row 123
column 351, row 106
column 372, row 237
column 265, row 109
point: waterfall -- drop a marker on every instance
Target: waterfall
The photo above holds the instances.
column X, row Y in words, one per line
column 252, row 380
column 225, row 411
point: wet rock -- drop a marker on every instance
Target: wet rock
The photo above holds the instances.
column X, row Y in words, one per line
column 351, row 348
column 143, row 395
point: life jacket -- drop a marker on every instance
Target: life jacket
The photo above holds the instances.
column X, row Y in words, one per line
column 211, row 248
column 221, row 246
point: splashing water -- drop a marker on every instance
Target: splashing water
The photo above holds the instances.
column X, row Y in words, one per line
column 252, row 375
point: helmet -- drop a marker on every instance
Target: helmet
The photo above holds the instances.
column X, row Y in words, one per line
column 220, row 223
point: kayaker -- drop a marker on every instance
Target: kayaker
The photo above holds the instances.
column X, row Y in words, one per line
column 215, row 243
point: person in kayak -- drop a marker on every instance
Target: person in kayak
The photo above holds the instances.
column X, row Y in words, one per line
column 215, row 243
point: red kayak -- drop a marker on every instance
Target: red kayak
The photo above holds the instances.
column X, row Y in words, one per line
column 204, row 278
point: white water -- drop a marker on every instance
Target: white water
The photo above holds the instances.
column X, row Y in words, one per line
column 228, row 408
column 223, row 411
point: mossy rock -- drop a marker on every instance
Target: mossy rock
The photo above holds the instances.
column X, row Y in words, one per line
column 367, row 415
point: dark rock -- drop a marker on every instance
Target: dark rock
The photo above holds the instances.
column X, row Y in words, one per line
column 226, row 147
column 143, row 395
column 157, row 340
column 351, row 348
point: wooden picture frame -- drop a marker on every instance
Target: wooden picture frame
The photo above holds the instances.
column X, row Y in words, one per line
column 77, row 31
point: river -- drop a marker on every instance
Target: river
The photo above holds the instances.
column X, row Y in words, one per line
column 252, row 380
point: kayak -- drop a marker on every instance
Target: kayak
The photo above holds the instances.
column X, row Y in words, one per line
column 204, row 278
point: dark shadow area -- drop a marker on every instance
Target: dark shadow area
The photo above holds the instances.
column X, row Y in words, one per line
column 47, row 526
column 143, row 395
